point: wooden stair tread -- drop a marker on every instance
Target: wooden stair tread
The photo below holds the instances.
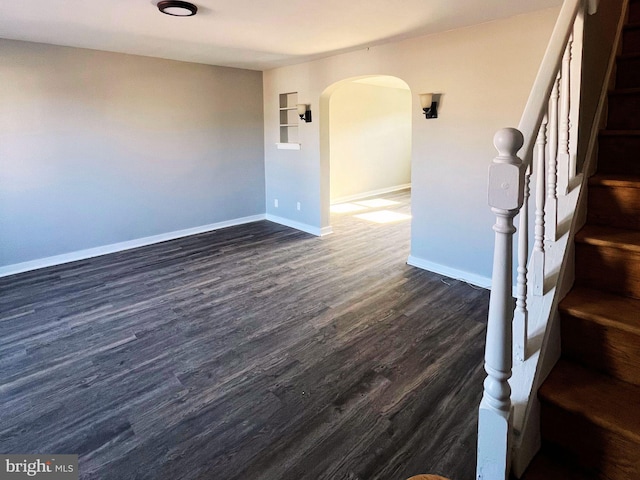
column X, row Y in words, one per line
column 603, row 236
column 547, row 467
column 615, row 180
column 624, row 91
column 619, row 133
column 609, row 403
column 603, row 308
column 628, row 56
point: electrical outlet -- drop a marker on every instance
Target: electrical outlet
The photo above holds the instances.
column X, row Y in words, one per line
column 275, row 202
column 298, row 206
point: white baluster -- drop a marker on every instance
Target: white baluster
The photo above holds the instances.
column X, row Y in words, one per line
column 506, row 192
column 564, row 155
column 551, row 222
column 538, row 254
column 521, row 316
column 576, row 87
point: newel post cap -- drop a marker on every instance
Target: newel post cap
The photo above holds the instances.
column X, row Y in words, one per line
column 508, row 141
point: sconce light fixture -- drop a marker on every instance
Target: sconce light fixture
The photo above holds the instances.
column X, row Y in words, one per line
column 304, row 112
column 177, row 8
column 429, row 107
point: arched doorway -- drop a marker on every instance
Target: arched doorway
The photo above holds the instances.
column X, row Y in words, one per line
column 365, row 139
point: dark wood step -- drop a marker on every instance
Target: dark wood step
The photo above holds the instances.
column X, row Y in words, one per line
column 602, row 331
column 614, row 200
column 628, row 71
column 548, row 466
column 618, row 151
column 594, row 418
column 623, row 107
column 634, row 12
column 631, row 38
column 608, row 259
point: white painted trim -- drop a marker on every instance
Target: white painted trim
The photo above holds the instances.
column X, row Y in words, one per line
column 288, row 146
column 468, row 277
column 317, row 231
column 118, row 247
column 380, row 191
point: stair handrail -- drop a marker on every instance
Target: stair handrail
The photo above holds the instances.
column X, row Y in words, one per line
column 554, row 144
column 537, row 103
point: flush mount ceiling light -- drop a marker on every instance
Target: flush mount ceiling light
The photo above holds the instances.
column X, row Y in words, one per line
column 177, row 8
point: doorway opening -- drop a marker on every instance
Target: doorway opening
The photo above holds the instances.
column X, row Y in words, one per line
column 365, row 150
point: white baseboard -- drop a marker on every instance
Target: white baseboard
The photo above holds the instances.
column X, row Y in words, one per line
column 118, row 247
column 472, row 278
column 317, row 231
column 380, row 191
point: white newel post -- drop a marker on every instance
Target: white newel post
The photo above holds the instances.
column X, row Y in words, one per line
column 506, row 192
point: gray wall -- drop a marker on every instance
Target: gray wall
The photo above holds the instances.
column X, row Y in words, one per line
column 98, row 148
column 483, row 74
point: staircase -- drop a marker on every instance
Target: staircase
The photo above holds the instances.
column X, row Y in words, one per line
column 590, row 403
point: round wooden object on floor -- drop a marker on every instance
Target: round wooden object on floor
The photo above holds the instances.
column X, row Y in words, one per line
column 428, row 477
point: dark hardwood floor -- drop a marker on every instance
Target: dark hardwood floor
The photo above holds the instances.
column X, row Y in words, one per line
column 252, row 352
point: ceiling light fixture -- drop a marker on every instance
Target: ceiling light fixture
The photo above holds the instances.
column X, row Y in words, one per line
column 177, row 8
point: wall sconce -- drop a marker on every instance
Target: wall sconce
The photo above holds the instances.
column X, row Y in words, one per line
column 429, row 107
column 304, row 112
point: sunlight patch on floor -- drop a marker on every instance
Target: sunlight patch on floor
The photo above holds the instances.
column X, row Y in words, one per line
column 347, row 208
column 376, row 203
column 383, row 216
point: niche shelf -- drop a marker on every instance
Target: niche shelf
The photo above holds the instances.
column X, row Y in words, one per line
column 288, row 122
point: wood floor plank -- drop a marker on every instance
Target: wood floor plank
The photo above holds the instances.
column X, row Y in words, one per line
column 255, row 351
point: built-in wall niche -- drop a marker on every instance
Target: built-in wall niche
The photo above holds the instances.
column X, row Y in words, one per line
column 289, row 121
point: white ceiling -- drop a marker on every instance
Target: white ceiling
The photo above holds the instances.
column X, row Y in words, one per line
column 254, row 34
